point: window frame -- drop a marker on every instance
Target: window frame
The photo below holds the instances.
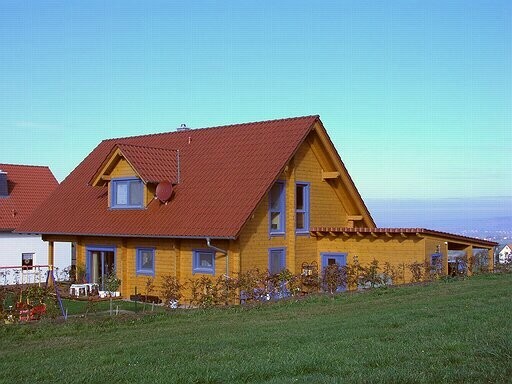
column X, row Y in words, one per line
column 196, row 268
column 113, row 193
column 31, row 266
column 282, row 261
column 306, row 191
column 282, row 210
column 139, row 270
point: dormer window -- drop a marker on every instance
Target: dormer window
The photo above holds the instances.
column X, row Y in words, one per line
column 126, row 193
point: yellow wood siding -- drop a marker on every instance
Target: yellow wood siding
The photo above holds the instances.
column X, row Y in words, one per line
column 325, row 210
column 122, row 169
column 396, row 250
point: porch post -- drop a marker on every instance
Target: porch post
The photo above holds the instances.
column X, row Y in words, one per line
column 469, row 256
column 490, row 259
column 50, row 261
column 50, row 254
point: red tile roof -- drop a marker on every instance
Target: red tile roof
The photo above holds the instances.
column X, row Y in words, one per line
column 224, row 173
column 448, row 236
column 152, row 164
column 28, row 187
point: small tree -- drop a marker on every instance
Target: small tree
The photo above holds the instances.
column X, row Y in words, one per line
column 171, row 291
column 334, row 276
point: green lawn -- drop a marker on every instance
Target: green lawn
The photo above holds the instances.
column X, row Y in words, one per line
column 454, row 331
column 102, row 307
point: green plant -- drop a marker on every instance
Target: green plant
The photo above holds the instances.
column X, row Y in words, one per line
column 334, row 276
column 353, row 272
column 35, row 294
column 393, row 275
column 203, row 292
column 416, row 270
column 370, row 276
column 225, row 290
column 111, row 282
column 148, row 288
column 171, row 290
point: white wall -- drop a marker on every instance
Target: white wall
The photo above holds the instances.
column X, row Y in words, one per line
column 12, row 245
column 505, row 254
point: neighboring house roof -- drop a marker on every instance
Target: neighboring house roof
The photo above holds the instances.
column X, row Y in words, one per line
column 505, row 246
column 405, row 231
column 28, row 186
column 224, row 173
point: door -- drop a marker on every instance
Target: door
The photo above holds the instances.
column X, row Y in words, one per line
column 100, row 262
column 339, row 259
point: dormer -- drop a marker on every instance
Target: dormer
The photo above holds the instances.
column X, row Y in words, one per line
column 132, row 173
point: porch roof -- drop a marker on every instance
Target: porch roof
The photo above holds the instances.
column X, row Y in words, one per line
column 404, row 232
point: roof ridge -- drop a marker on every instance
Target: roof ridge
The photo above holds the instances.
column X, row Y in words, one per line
column 25, row 165
column 214, row 127
column 146, row 146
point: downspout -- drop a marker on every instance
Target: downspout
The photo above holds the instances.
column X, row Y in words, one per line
column 209, row 245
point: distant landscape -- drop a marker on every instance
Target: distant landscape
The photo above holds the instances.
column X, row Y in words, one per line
column 485, row 217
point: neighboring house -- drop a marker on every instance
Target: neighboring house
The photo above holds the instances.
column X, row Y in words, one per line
column 22, row 189
column 220, row 201
column 505, row 254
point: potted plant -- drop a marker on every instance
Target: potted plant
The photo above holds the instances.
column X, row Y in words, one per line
column 110, row 284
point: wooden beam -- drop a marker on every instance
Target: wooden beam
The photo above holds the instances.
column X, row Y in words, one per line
column 355, row 217
column 403, row 235
column 106, row 177
column 345, row 234
column 389, row 234
column 359, row 234
column 330, row 175
column 374, row 234
column 332, row 234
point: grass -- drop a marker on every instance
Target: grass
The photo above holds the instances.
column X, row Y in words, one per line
column 81, row 307
column 448, row 331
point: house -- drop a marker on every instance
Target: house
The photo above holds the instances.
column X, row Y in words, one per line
column 22, row 189
column 223, row 200
column 505, row 254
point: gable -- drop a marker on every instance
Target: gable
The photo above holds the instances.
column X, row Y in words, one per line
column 335, row 174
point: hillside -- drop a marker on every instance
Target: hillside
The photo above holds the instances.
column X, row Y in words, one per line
column 448, row 331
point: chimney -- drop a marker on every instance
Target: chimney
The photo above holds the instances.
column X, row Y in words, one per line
column 4, row 190
column 182, row 127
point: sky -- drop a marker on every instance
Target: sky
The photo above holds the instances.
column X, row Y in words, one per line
column 415, row 95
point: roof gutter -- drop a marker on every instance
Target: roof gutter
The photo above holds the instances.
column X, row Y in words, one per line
column 209, row 245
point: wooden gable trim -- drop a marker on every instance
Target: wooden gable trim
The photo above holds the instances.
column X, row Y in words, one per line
column 103, row 174
column 330, row 161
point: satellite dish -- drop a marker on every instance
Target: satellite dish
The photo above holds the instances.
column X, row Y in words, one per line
column 164, row 191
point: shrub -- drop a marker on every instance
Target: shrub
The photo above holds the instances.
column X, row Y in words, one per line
column 416, row 270
column 370, row 276
column 171, row 290
column 334, row 276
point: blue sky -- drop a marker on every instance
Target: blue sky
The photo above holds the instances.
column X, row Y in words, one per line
column 416, row 95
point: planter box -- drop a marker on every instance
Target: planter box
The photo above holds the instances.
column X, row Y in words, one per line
column 104, row 294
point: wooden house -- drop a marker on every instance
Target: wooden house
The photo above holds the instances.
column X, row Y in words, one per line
column 218, row 201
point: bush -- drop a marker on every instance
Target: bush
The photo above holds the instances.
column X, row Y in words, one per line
column 171, row 290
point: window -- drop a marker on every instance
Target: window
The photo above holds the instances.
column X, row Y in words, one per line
column 27, row 260
column 145, row 261
column 302, row 208
column 276, row 260
column 276, row 209
column 126, row 193
column 203, row 261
